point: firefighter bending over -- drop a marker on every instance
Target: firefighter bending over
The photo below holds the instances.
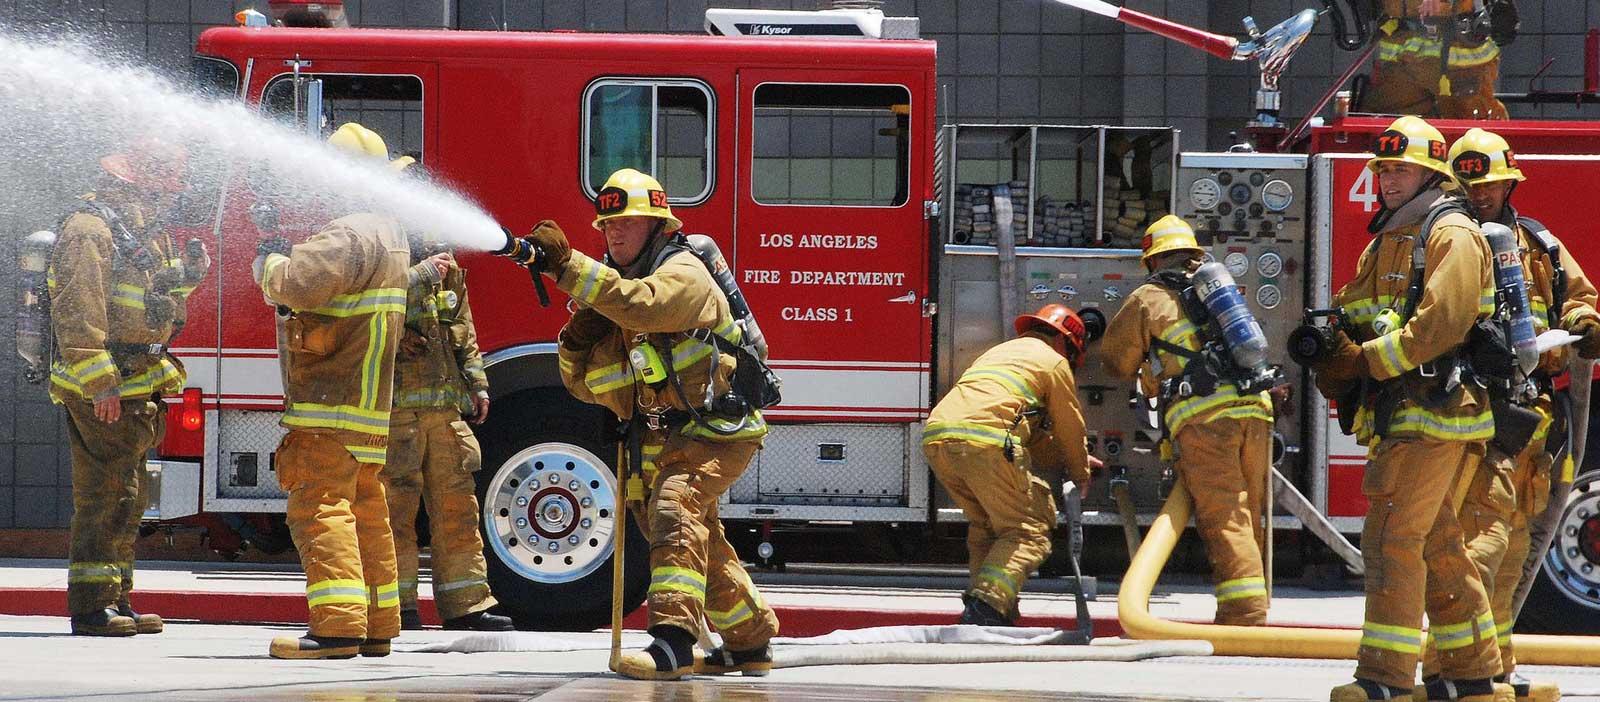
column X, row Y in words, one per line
column 1513, row 486
column 1418, row 291
column 640, row 345
column 1218, row 436
column 118, row 290
column 1414, row 34
column 341, row 297
column 439, row 380
column 976, row 442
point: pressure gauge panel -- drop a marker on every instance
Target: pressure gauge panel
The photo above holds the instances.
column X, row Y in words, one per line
column 1269, row 265
column 1237, row 264
column 1277, row 195
column 1204, row 194
column 1239, row 193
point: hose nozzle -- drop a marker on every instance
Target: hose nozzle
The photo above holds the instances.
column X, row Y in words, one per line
column 525, row 253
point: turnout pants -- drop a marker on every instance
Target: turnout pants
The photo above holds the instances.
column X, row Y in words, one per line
column 1486, row 518
column 1411, row 87
column 433, row 453
column 1411, row 545
column 340, row 523
column 1224, row 464
column 693, row 569
column 1010, row 515
column 109, row 493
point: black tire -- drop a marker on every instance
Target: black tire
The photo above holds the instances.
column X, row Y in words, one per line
column 1564, row 599
column 518, row 422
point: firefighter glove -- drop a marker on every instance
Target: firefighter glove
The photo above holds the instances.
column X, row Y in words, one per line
column 1588, row 328
column 547, row 235
column 196, row 261
column 1344, row 365
column 586, row 329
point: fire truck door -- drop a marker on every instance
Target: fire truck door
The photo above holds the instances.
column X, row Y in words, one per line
column 831, row 241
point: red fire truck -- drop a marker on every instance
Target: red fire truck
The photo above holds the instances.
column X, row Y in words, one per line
column 817, row 165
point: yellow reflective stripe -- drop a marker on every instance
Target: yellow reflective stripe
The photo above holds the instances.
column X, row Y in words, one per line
column 1503, row 633
column 963, row 431
column 998, row 577
column 92, row 367
column 430, row 397
column 1181, row 333
column 94, row 573
column 672, row 579
column 1486, row 302
column 374, row 301
column 128, row 296
column 273, row 262
column 1187, row 409
column 754, row 427
column 728, row 330
column 589, row 273
column 368, row 454
column 372, row 370
column 688, row 352
column 1571, row 318
column 1392, row 356
column 608, row 378
column 1364, row 310
column 156, row 378
column 311, row 415
column 1448, row 637
column 731, row 618
column 1429, row 48
column 408, row 587
column 328, row 592
column 1240, row 588
column 458, row 585
column 566, row 364
column 1543, row 431
column 1477, row 427
column 386, row 595
column 1011, row 379
column 1392, row 638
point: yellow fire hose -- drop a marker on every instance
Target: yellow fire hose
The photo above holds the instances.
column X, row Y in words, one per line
column 1133, row 610
column 618, row 537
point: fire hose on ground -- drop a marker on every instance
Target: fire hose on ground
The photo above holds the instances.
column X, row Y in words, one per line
column 1133, row 611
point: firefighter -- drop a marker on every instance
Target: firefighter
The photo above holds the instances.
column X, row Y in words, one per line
column 439, row 381
column 1418, row 290
column 341, row 300
column 976, row 442
column 117, row 289
column 1221, row 440
column 1514, row 484
column 640, row 345
column 1406, row 75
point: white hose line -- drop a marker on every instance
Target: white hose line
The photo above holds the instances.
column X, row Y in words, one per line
column 936, row 654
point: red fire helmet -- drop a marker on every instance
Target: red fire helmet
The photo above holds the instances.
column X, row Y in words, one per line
column 150, row 163
column 1060, row 319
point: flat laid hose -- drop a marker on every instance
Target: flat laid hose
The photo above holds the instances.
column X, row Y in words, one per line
column 1133, row 610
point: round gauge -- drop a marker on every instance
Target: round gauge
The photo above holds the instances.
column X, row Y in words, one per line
column 1224, row 177
column 1225, row 209
column 1112, row 293
column 1239, row 193
column 1269, row 265
column 1268, row 296
column 1277, row 195
column 1204, row 194
column 1256, row 178
column 1237, row 264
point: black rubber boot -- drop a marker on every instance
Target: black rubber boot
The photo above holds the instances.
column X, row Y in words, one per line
column 105, row 622
column 1435, row 688
column 755, row 662
column 410, row 620
column 374, row 648
column 983, row 614
column 669, row 657
column 312, row 646
column 479, row 621
column 1529, row 691
column 1367, row 691
column 143, row 623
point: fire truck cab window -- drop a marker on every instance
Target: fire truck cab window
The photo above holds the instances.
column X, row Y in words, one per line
column 841, row 145
column 388, row 105
column 660, row 127
column 214, row 78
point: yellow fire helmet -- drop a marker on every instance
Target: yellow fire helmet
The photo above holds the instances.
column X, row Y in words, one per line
column 1481, row 156
column 359, row 140
column 629, row 193
column 1411, row 139
column 1168, row 234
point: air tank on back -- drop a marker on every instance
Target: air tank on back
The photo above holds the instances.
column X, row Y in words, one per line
column 706, row 250
column 33, row 323
column 1512, row 291
column 1241, row 333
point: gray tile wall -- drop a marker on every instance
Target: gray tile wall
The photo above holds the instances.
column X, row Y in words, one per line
column 999, row 60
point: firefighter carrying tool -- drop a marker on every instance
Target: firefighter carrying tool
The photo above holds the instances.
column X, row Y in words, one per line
column 651, row 341
column 1440, row 58
column 117, row 291
column 1216, row 417
column 977, row 440
column 341, row 297
column 1418, row 291
column 1515, row 484
column 439, row 379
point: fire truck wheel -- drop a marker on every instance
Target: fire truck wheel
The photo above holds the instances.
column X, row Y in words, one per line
column 1565, row 597
column 547, row 499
